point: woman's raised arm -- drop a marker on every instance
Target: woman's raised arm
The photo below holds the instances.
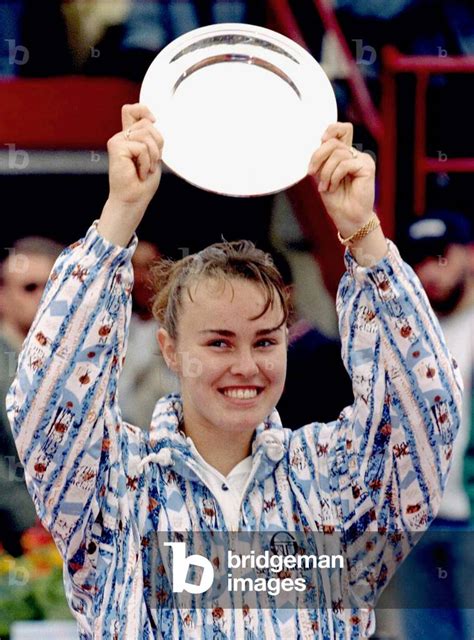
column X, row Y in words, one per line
column 134, row 174
column 62, row 404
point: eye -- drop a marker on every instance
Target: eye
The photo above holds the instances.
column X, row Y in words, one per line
column 31, row 287
column 218, row 343
column 266, row 342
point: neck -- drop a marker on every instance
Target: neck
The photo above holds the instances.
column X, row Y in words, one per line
column 13, row 333
column 143, row 314
column 223, row 451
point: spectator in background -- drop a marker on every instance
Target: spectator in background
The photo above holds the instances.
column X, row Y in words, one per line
column 123, row 37
column 439, row 574
column 152, row 25
column 23, row 276
column 97, row 37
column 145, row 378
column 91, row 27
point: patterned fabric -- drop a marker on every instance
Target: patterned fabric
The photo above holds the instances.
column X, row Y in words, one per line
column 17, row 513
column 105, row 488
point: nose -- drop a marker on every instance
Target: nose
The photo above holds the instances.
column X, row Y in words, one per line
column 244, row 364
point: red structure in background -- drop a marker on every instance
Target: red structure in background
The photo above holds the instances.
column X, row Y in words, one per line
column 77, row 112
column 304, row 196
column 422, row 67
column 62, row 113
column 382, row 125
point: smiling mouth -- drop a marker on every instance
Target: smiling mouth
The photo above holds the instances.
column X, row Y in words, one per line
column 241, row 393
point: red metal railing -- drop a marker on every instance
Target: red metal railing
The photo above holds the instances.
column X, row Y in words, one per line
column 282, row 16
column 304, row 196
column 383, row 124
column 368, row 112
column 422, row 67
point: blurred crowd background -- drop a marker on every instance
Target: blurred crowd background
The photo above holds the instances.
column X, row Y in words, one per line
column 402, row 71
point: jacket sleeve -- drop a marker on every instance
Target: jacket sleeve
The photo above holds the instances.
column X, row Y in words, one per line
column 391, row 449
column 61, row 405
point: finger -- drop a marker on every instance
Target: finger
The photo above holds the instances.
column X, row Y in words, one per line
column 323, row 153
column 158, row 138
column 151, row 128
column 330, row 165
column 141, row 157
column 124, row 145
column 143, row 163
column 132, row 113
column 343, row 131
column 345, row 168
column 145, row 136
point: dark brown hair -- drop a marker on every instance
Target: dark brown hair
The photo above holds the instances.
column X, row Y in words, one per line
column 223, row 260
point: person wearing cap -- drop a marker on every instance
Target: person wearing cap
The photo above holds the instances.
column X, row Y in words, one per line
column 439, row 247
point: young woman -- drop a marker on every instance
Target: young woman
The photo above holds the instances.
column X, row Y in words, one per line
column 216, row 457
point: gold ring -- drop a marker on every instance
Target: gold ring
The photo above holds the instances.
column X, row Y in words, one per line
column 127, row 134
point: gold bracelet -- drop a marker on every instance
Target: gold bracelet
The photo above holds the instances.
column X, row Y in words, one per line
column 372, row 223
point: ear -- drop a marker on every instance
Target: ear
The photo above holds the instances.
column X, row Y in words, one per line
column 168, row 349
column 458, row 253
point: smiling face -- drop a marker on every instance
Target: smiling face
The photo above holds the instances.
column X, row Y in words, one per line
column 231, row 364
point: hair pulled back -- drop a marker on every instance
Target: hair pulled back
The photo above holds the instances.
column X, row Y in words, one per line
column 222, row 261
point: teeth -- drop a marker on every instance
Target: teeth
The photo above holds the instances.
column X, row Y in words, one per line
column 241, row 394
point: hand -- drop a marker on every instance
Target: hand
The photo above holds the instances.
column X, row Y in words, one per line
column 135, row 158
column 346, row 179
column 134, row 174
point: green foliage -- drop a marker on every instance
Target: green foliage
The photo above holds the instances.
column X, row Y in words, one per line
column 31, row 588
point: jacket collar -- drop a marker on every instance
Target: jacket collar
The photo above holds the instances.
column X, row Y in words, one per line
column 170, row 447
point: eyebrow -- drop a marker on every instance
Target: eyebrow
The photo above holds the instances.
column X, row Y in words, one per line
column 231, row 334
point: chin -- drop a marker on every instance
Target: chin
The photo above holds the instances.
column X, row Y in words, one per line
column 241, row 420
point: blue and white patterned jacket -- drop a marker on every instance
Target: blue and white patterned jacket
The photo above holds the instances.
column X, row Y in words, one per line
column 105, row 488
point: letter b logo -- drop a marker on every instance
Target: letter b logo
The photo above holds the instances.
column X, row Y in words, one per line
column 181, row 565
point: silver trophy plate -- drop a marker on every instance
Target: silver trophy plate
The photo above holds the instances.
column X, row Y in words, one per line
column 241, row 108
